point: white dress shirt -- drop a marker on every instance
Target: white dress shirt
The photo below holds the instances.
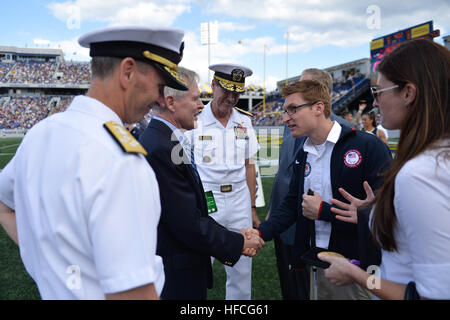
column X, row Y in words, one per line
column 87, row 212
column 422, row 232
column 318, row 177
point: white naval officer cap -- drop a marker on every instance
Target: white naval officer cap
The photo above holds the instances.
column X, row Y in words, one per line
column 231, row 77
column 160, row 47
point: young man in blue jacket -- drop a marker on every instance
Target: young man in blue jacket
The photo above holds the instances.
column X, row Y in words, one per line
column 333, row 156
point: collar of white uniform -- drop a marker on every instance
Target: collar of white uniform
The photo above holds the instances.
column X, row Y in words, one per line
column 94, row 107
column 333, row 137
column 209, row 118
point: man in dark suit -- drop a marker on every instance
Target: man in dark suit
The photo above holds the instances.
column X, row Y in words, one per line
column 294, row 283
column 187, row 236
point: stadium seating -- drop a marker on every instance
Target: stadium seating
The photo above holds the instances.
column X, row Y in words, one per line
column 36, row 72
column 73, row 73
column 343, row 91
column 24, row 112
column 4, row 69
column 31, row 72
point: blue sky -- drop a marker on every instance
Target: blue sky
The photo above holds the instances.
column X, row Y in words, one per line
column 322, row 33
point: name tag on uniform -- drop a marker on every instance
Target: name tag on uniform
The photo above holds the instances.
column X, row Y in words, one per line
column 241, row 132
column 205, row 138
column 210, row 202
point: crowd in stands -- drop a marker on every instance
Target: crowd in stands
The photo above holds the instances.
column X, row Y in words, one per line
column 4, row 69
column 23, row 112
column 31, row 72
column 341, row 87
column 36, row 72
column 273, row 116
column 74, row 73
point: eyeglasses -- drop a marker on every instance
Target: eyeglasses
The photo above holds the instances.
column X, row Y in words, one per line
column 291, row 110
column 376, row 91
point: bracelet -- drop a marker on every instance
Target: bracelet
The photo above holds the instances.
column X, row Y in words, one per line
column 355, row 262
column 253, row 207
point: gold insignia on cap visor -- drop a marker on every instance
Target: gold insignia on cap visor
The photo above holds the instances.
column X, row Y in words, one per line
column 230, row 85
column 174, row 73
column 159, row 59
column 128, row 143
column 169, row 66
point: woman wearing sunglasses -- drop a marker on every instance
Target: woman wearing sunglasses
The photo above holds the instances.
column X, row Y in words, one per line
column 410, row 219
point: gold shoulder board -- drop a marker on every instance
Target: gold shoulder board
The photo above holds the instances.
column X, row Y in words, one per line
column 244, row 112
column 128, row 143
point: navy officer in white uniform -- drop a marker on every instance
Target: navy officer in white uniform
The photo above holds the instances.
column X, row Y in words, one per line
column 224, row 147
column 78, row 195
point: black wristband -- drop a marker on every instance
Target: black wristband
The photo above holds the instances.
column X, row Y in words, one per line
column 253, row 207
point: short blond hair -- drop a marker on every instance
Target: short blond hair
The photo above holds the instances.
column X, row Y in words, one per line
column 311, row 90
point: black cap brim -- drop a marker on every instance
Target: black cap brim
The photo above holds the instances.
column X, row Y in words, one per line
column 163, row 59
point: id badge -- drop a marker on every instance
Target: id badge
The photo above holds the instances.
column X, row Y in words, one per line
column 210, row 202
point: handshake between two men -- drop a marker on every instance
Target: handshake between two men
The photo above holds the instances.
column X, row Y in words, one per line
column 252, row 242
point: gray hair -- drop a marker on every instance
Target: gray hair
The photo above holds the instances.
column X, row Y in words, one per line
column 103, row 67
column 320, row 75
column 188, row 76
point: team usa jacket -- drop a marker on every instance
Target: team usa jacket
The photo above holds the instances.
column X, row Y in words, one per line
column 356, row 157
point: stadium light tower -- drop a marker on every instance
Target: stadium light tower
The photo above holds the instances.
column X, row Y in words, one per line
column 209, row 34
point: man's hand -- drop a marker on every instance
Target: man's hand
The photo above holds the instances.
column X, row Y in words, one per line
column 250, row 232
column 311, row 206
column 348, row 211
column 252, row 242
column 255, row 218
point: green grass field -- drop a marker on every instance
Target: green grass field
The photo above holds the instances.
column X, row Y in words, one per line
column 265, row 281
column 15, row 283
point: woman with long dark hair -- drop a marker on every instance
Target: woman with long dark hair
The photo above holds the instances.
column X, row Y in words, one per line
column 410, row 220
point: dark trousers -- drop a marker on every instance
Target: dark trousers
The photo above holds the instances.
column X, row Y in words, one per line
column 184, row 283
column 294, row 283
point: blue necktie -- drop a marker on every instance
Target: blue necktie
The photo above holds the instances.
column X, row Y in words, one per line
column 194, row 166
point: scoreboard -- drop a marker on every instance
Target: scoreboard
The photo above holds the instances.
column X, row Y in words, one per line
column 379, row 47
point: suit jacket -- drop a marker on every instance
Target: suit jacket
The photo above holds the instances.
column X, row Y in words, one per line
column 282, row 179
column 187, row 235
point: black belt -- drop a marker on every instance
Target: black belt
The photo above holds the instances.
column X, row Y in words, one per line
column 226, row 188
